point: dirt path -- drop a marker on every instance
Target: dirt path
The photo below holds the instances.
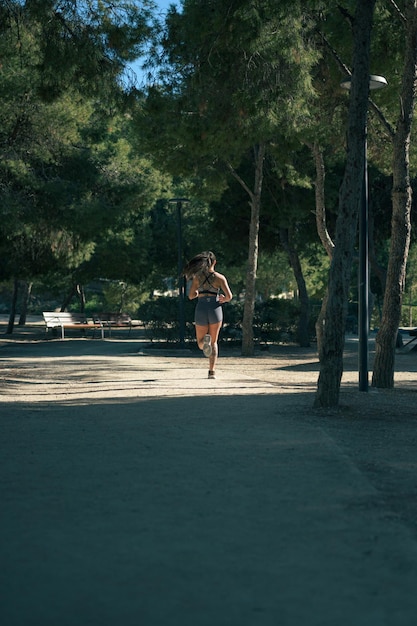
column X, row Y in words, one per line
column 136, row 492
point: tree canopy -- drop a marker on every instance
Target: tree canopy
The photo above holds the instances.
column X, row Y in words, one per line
column 243, row 116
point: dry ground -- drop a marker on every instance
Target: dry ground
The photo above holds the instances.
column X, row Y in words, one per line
column 136, row 492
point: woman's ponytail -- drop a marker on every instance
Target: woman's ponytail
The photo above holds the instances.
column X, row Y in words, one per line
column 200, row 263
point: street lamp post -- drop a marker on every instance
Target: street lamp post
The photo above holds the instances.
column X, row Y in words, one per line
column 375, row 82
column 181, row 279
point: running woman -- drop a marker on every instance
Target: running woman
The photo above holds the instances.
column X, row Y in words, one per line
column 212, row 290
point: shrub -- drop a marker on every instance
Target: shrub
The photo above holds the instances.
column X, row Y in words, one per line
column 274, row 320
column 161, row 320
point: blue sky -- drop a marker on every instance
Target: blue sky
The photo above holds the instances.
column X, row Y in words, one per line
column 162, row 5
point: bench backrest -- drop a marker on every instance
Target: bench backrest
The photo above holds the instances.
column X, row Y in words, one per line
column 52, row 318
column 119, row 319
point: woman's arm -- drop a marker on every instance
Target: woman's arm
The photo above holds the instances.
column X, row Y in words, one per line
column 193, row 293
column 227, row 295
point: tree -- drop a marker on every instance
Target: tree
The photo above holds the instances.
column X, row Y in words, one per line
column 236, row 75
column 84, row 45
column 383, row 372
column 331, row 348
column 66, row 178
column 388, row 37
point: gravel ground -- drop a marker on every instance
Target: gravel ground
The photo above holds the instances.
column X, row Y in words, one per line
column 136, row 491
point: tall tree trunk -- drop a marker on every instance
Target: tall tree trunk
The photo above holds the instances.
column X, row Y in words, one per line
column 25, row 303
column 13, row 307
column 303, row 335
column 77, row 290
column 252, row 265
column 67, row 300
column 248, row 347
column 81, row 297
column 383, row 372
column 376, row 268
column 321, row 224
column 331, row 350
column 320, row 322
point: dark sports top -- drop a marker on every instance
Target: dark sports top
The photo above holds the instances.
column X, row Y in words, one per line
column 207, row 281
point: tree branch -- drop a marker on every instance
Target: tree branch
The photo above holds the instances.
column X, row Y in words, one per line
column 240, row 180
column 320, row 201
column 346, row 70
column 397, row 10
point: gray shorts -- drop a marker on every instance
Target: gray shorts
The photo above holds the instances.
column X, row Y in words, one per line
column 208, row 311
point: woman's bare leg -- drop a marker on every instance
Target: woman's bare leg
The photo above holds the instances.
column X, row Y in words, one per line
column 214, row 330
column 200, row 332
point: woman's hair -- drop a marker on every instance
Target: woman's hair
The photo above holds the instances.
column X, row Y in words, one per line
column 200, row 263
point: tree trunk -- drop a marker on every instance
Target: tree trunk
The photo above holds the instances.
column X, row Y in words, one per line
column 13, row 306
column 383, row 373
column 321, row 224
column 252, row 265
column 67, row 300
column 25, row 303
column 81, row 297
column 331, row 350
column 303, row 335
column 248, row 347
column 320, row 322
column 77, row 290
column 376, row 268
column 323, row 233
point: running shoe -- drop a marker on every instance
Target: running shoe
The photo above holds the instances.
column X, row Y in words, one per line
column 211, row 374
column 207, row 345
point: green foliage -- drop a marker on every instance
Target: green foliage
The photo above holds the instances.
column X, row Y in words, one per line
column 121, row 298
column 235, row 76
column 74, row 197
column 85, row 44
column 315, row 264
column 274, row 277
column 408, row 315
column 409, row 308
column 275, row 320
column 81, row 196
column 160, row 318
